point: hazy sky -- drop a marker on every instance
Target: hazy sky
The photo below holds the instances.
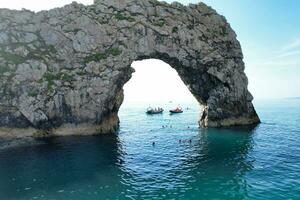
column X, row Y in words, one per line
column 268, row 30
column 155, row 81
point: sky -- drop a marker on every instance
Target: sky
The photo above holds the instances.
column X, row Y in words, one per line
column 156, row 82
column 269, row 33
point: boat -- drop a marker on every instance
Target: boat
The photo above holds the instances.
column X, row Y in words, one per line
column 177, row 110
column 151, row 111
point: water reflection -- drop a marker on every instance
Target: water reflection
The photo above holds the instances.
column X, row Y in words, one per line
column 212, row 166
column 220, row 162
column 217, row 164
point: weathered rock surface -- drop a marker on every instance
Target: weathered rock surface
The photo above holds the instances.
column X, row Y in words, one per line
column 65, row 68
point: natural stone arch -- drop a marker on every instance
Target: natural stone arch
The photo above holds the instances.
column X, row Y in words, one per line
column 65, row 68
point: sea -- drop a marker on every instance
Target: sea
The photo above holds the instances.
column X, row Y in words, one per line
column 162, row 157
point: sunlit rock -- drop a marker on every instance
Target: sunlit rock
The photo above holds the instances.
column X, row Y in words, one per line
column 63, row 70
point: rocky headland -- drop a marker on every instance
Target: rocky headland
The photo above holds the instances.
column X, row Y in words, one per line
column 62, row 71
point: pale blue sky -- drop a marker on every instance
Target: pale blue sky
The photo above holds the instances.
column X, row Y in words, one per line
column 268, row 30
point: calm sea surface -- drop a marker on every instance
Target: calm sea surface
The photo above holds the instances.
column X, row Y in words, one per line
column 261, row 163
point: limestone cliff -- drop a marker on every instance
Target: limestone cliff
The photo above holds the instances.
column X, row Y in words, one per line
column 65, row 68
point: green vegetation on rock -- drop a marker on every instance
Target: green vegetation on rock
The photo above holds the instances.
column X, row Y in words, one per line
column 76, row 30
column 51, row 49
column 4, row 69
column 161, row 22
column 65, row 77
column 81, row 73
column 12, row 58
column 38, row 54
column 100, row 56
column 42, row 54
column 95, row 57
column 114, row 51
column 58, row 76
column 175, row 29
column 217, row 33
column 190, row 26
column 32, row 93
column 52, row 77
column 120, row 16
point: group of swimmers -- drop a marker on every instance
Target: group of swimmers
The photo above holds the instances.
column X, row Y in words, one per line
column 166, row 126
column 179, row 141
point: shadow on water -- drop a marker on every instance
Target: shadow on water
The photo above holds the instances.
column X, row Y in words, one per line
column 55, row 168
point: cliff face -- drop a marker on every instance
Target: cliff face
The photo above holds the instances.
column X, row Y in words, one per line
column 65, row 68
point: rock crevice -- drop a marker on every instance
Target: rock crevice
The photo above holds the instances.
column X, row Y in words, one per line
column 68, row 65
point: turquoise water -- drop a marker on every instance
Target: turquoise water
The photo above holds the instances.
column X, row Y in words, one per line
column 261, row 163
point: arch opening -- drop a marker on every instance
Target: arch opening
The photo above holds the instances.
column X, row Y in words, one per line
column 155, row 81
column 156, row 84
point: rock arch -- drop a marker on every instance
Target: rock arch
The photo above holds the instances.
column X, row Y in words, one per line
column 64, row 69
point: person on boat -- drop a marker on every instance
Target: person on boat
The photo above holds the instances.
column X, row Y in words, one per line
column 178, row 109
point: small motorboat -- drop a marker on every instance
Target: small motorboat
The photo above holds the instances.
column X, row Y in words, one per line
column 177, row 110
column 151, row 111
